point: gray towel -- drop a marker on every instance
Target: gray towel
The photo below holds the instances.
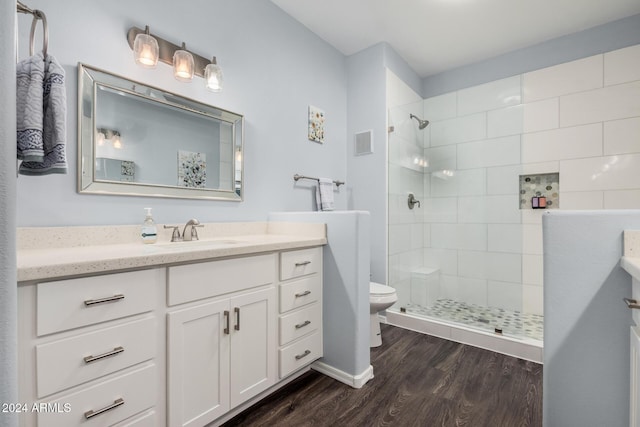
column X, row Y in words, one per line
column 53, row 116
column 29, row 95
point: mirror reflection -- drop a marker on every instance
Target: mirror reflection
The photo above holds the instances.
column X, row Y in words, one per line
column 140, row 140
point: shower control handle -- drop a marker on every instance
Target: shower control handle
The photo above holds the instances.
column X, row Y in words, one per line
column 412, row 201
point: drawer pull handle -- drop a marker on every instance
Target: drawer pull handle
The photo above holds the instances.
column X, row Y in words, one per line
column 90, row 302
column 237, row 311
column 115, row 404
column 303, row 324
column 226, row 316
column 303, row 263
column 305, row 354
column 631, row 303
column 113, row 352
column 304, row 294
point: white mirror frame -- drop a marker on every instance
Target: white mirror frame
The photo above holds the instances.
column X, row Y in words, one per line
column 88, row 80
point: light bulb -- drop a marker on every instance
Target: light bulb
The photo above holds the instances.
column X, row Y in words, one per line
column 213, row 76
column 145, row 49
column 100, row 139
column 183, row 65
column 117, row 143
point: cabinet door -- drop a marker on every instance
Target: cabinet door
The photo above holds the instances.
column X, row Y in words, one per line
column 253, row 344
column 198, row 360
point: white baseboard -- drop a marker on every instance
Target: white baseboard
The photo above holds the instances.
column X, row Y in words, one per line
column 355, row 381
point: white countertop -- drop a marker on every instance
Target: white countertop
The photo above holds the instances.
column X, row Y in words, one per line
column 631, row 259
column 72, row 251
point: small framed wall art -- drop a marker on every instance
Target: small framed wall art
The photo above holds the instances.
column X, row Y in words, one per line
column 316, row 124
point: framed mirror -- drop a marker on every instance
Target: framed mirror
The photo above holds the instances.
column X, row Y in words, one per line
column 138, row 140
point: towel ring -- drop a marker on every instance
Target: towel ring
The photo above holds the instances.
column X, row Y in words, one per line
column 39, row 15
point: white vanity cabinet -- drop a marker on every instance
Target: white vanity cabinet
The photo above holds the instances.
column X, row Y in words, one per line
column 88, row 349
column 189, row 340
column 222, row 350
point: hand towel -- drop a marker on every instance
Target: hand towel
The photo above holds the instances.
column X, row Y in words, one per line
column 54, row 119
column 29, row 114
column 324, row 194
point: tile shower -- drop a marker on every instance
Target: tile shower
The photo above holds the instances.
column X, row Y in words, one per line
column 471, row 254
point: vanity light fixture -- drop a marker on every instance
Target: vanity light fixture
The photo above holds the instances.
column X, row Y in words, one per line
column 109, row 135
column 145, row 49
column 185, row 64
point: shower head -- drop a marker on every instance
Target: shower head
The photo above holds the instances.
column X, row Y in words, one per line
column 421, row 123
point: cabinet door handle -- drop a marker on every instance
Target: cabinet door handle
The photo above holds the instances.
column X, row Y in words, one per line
column 237, row 311
column 226, row 316
column 304, row 294
column 90, row 302
column 113, row 352
column 305, row 354
column 115, row 404
column 303, row 324
column 300, row 264
column 631, row 303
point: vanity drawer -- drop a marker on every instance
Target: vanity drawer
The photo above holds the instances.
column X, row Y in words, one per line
column 300, row 353
column 67, row 304
column 300, row 263
column 300, row 323
column 137, row 390
column 61, row 364
column 186, row 282
column 299, row 293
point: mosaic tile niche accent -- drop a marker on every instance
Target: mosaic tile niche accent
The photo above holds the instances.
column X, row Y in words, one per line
column 537, row 185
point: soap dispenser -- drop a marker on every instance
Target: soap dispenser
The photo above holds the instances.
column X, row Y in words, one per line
column 149, row 231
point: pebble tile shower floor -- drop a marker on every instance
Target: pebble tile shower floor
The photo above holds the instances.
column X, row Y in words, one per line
column 513, row 323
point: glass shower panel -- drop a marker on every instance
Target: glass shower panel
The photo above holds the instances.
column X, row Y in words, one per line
column 458, row 256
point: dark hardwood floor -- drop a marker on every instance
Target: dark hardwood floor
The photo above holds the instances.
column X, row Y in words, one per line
column 419, row 380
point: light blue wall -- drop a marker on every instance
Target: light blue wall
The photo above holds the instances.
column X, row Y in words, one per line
column 586, row 323
column 8, row 288
column 614, row 35
column 367, row 110
column 274, row 68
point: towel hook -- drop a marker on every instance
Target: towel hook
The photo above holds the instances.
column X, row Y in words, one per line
column 37, row 16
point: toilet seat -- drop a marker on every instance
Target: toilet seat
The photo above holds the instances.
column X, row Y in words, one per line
column 378, row 289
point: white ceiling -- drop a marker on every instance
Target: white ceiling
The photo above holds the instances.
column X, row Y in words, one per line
column 439, row 35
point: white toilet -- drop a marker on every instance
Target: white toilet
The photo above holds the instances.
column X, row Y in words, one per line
column 381, row 297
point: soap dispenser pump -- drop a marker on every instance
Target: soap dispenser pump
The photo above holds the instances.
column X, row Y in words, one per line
column 149, row 232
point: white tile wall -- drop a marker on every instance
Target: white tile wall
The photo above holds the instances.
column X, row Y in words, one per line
column 600, row 173
column 622, row 136
column 575, row 76
column 532, row 269
column 565, row 143
column 503, row 180
column 489, row 96
column 581, row 119
column 459, row 129
column 440, row 107
column 622, row 199
column 505, row 121
column 621, row 66
column 581, row 200
column 504, row 295
column 609, row 103
column 489, row 153
column 532, row 299
column 505, row 238
column 541, row 115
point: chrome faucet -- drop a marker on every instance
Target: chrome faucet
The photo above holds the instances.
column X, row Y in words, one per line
column 193, row 235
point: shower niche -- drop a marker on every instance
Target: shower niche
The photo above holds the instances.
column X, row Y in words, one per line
column 540, row 191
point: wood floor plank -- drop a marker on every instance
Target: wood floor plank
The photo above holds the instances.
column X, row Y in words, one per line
column 420, row 381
